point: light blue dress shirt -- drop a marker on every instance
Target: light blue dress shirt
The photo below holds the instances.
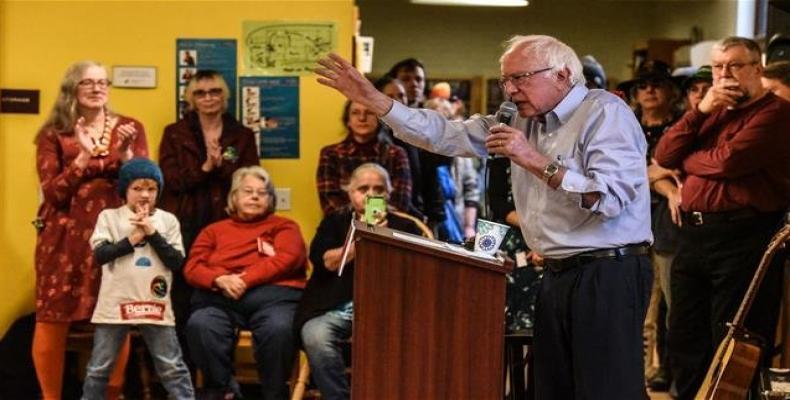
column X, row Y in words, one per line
column 594, row 135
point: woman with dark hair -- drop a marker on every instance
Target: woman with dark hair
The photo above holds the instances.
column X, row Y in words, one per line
column 249, row 271
column 79, row 151
column 361, row 145
column 198, row 155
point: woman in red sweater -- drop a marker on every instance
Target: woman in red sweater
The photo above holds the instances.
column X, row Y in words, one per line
column 249, row 272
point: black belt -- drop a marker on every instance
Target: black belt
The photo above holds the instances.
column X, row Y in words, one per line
column 697, row 218
column 561, row 264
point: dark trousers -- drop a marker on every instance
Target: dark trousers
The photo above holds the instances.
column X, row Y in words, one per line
column 268, row 312
column 588, row 330
column 714, row 266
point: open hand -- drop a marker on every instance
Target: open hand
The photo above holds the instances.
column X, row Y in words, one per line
column 339, row 74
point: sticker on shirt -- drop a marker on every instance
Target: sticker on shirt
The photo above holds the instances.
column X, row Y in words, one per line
column 142, row 310
column 159, row 286
column 143, row 262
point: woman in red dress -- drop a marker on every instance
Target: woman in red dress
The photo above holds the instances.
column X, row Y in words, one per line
column 79, row 150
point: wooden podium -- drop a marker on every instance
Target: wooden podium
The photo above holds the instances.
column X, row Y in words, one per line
column 428, row 319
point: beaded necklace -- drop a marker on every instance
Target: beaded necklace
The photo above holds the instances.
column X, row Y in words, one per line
column 102, row 144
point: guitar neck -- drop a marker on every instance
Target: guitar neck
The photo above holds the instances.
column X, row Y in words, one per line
column 776, row 243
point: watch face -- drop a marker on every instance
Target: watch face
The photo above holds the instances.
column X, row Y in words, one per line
column 550, row 170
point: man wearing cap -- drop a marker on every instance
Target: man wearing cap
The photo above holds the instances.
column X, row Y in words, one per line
column 581, row 194
column 733, row 150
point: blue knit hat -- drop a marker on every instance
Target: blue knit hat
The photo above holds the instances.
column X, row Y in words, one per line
column 138, row 168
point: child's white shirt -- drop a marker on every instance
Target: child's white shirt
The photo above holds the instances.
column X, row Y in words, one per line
column 135, row 288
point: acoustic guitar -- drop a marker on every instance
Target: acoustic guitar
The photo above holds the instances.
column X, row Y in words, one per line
column 738, row 355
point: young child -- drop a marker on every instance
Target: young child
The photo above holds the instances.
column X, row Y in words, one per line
column 138, row 247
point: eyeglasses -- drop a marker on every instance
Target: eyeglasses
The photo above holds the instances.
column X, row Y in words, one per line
column 734, row 67
column 520, row 79
column 213, row 92
column 90, row 83
column 249, row 192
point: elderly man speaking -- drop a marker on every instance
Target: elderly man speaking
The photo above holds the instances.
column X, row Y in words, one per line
column 582, row 196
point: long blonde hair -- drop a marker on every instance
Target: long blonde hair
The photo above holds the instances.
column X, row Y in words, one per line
column 64, row 112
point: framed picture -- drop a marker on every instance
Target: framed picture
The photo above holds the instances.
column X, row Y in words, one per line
column 141, row 77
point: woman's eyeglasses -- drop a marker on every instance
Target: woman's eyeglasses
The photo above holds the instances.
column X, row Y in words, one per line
column 90, row 83
column 213, row 92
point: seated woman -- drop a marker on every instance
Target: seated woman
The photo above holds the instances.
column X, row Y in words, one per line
column 249, row 271
column 324, row 317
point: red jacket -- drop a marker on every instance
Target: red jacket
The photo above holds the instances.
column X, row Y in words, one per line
column 231, row 246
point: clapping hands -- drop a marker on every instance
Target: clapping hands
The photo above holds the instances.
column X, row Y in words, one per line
column 126, row 136
column 213, row 155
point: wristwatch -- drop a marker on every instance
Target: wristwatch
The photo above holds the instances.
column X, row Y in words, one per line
column 550, row 170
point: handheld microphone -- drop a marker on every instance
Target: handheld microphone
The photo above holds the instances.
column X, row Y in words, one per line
column 507, row 110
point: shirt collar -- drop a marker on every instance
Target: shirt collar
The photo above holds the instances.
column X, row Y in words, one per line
column 361, row 148
column 563, row 111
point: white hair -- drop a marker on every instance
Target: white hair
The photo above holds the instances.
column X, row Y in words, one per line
column 548, row 50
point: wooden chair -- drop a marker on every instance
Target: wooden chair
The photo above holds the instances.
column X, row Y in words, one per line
column 426, row 231
column 246, row 371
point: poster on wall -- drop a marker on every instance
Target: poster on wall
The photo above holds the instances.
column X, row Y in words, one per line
column 270, row 107
column 286, row 48
column 215, row 54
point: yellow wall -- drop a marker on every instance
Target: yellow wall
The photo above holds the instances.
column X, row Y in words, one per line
column 38, row 40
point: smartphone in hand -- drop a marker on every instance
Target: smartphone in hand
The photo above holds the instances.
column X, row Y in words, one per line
column 375, row 209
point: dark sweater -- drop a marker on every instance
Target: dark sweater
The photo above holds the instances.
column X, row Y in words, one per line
column 325, row 290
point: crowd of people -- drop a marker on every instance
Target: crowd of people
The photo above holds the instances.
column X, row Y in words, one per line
column 646, row 208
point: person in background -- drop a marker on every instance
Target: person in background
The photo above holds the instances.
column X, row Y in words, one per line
column 79, row 150
column 594, row 74
column 249, row 272
column 138, row 247
column 412, row 73
column 776, row 78
column 361, row 145
column 323, row 320
column 580, row 186
column 198, row 155
column 464, row 192
column 733, row 151
column 696, row 86
column 394, row 89
column 654, row 96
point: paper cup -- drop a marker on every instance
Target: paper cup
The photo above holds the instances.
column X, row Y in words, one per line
column 489, row 236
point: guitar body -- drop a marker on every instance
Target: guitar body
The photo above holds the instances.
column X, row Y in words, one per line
column 736, row 360
column 730, row 378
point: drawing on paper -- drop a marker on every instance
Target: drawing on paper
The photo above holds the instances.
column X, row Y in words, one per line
column 286, row 48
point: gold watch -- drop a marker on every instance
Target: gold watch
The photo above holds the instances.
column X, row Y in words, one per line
column 550, row 170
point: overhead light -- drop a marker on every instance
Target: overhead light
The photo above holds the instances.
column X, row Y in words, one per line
column 489, row 3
